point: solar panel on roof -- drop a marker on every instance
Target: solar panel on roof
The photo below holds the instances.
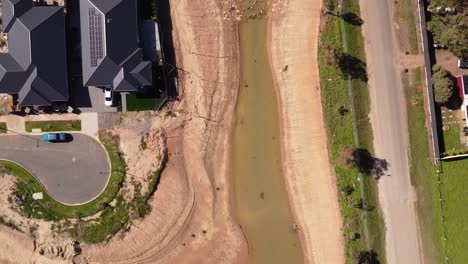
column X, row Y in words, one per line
column 96, row 48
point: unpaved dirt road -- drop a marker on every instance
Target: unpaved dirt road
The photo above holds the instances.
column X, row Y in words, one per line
column 293, row 41
column 388, row 115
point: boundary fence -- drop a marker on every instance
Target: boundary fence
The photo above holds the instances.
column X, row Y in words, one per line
column 428, row 74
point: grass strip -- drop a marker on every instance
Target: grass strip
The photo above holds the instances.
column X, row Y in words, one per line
column 422, row 171
column 54, row 126
column 338, row 120
column 406, row 13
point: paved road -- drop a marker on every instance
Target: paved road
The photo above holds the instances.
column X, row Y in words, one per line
column 72, row 173
column 396, row 194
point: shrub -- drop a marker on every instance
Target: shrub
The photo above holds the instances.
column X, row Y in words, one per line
column 443, row 84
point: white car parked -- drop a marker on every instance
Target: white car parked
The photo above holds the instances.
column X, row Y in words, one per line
column 108, row 96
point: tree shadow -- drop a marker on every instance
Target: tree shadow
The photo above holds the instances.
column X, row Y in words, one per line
column 352, row 19
column 368, row 165
column 367, row 257
column 454, row 102
column 353, row 67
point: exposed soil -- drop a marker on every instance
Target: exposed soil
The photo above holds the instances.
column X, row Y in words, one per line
column 449, row 61
column 293, row 37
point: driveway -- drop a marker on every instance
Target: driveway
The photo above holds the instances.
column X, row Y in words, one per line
column 72, row 173
column 396, row 194
column 91, row 99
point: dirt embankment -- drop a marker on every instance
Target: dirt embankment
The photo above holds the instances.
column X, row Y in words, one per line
column 293, row 40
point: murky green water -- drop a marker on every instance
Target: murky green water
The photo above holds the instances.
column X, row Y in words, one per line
column 262, row 204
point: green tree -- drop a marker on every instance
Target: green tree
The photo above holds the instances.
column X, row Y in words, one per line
column 443, row 84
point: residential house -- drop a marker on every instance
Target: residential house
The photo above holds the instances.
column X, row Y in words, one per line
column 35, row 68
column 110, row 45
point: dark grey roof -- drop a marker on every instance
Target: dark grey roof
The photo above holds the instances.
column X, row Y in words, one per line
column 141, row 72
column 106, row 5
column 12, row 76
column 36, row 67
column 11, row 9
column 110, row 45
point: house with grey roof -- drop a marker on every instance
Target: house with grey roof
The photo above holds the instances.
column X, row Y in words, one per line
column 35, row 67
column 110, row 45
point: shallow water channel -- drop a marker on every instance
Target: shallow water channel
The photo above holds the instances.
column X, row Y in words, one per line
column 261, row 201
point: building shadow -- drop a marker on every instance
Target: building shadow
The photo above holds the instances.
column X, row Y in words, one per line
column 79, row 95
column 163, row 14
column 439, row 125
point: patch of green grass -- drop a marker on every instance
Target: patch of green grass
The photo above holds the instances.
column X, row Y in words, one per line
column 50, row 209
column 3, row 128
column 141, row 103
column 54, row 126
column 339, row 127
column 114, row 218
column 454, row 189
column 452, row 137
column 422, row 170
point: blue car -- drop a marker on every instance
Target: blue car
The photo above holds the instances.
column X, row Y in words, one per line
column 54, row 137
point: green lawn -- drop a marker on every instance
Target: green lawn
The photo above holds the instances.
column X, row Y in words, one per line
column 3, row 127
column 422, row 171
column 452, row 137
column 142, row 103
column 54, row 126
column 454, row 189
column 50, row 209
column 335, row 99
